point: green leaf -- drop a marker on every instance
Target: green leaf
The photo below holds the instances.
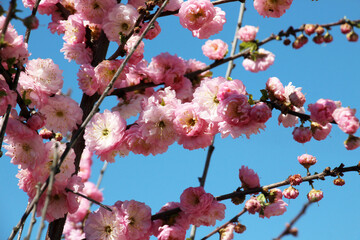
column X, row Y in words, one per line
column 251, row 100
column 252, row 45
column 261, row 198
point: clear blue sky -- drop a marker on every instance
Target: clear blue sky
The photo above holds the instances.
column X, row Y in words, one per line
column 323, row 71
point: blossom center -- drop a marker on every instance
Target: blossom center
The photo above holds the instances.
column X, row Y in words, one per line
column 105, row 132
column 108, row 229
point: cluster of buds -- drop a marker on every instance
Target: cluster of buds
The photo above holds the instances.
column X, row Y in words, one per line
column 347, row 29
column 319, row 30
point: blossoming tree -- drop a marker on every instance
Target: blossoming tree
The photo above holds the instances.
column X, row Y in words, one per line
column 153, row 100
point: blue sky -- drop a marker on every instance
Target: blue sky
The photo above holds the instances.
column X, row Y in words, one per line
column 323, row 71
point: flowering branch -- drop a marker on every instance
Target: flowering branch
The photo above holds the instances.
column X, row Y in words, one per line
column 239, row 193
column 234, row 219
column 33, row 219
column 289, row 31
column 288, row 229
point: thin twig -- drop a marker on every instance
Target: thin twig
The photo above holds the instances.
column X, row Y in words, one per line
column 33, row 219
column 89, row 198
column 234, row 219
column 287, row 230
column 87, row 120
column 49, row 190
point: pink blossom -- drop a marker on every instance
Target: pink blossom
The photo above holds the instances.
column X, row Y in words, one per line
column 135, row 217
column 320, row 132
column 275, row 195
column 302, row 134
column 104, row 224
column 7, row 96
column 322, row 111
column 174, row 232
column 290, row 193
column 274, row 209
column 247, row 33
column 346, row 120
column 45, row 7
column 307, row 160
column 264, row 59
column 153, row 32
column 62, row 114
column 235, row 110
column 131, row 106
column 119, row 21
column 297, row 98
column 106, row 70
column 194, row 14
column 36, row 121
column 229, row 88
column 195, row 201
column 168, row 69
column 94, row 11
column 74, row 29
column 260, row 112
column 352, row 142
column 215, row 49
column 87, row 80
column 227, row 233
column 138, row 55
column 27, row 152
column 105, row 133
column 77, row 52
column 213, row 27
column 16, row 128
column 315, row 195
column 85, row 164
column 269, row 8
column 216, row 211
column 275, row 89
column 137, row 3
column 15, row 47
column 253, row 205
column 46, row 75
column 290, row 120
column 249, row 179
column 173, row 5
column 194, row 132
column 178, row 221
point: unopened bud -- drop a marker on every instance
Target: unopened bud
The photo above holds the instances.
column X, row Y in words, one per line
column 339, row 181
column 31, row 22
column 309, row 29
column 318, row 39
column 352, row 36
column 328, row 38
column 239, row 228
column 315, row 195
column 345, row 28
column 58, row 137
column 319, row 30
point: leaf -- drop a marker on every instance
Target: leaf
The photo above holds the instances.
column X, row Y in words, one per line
column 252, row 45
column 251, row 100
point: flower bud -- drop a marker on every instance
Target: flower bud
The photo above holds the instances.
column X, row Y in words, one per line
column 296, row 44
column 58, row 137
column 319, row 30
column 315, row 195
column 309, row 29
column 297, row 99
column 339, row 181
column 290, row 193
column 253, row 205
column 352, row 142
column 46, row 134
column 307, row 160
column 287, row 42
column 302, row 134
column 345, row 28
column 239, row 228
column 352, row 36
column 238, row 199
column 36, row 121
column 318, row 39
column 295, row 179
column 303, row 39
column 328, row 38
column 31, row 22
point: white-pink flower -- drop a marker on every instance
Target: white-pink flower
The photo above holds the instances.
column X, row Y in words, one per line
column 322, row 110
column 270, row 8
column 215, row 49
column 193, row 14
column 94, row 11
column 62, row 114
column 105, row 133
column 264, row 59
column 346, row 120
column 247, row 33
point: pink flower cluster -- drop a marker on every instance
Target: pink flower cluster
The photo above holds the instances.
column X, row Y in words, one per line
column 247, row 33
column 201, row 17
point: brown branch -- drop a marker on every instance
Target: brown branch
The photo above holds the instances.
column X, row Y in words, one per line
column 234, row 219
column 297, row 217
column 89, row 198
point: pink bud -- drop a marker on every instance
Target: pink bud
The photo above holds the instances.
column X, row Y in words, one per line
column 295, row 179
column 339, row 181
column 319, row 30
column 297, row 98
column 307, row 160
column 302, row 134
column 31, row 22
column 352, row 36
column 309, row 29
column 352, row 142
column 253, row 205
column 36, row 121
column 320, row 132
column 297, row 44
column 46, row 134
column 315, row 195
column 345, row 28
column 290, row 193
column 328, row 38
column 318, row 39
